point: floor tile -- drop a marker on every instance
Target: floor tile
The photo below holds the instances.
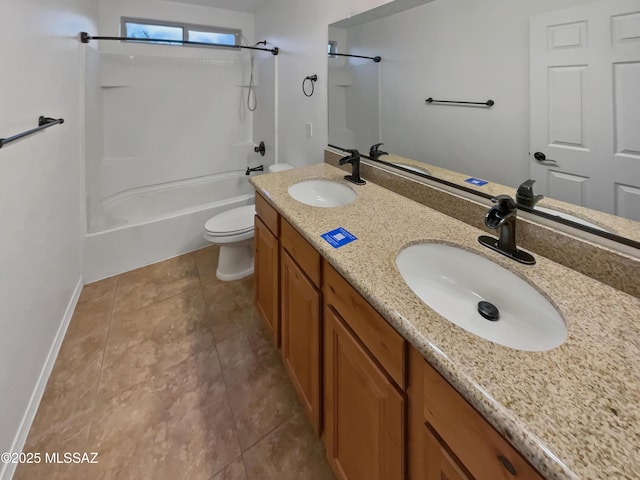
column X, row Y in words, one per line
column 69, row 437
column 130, row 433
column 233, row 471
column 290, row 452
column 200, row 428
column 207, row 262
column 71, row 389
column 169, row 374
column 260, row 392
column 145, row 342
column 97, row 297
column 144, row 286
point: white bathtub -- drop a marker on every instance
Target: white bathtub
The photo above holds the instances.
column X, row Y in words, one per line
column 147, row 225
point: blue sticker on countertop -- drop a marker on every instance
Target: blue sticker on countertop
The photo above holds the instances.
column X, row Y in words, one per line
column 476, row 181
column 339, row 237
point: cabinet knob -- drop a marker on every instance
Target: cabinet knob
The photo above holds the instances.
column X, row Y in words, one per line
column 508, row 465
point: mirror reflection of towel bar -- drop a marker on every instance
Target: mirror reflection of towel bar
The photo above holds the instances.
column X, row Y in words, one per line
column 488, row 103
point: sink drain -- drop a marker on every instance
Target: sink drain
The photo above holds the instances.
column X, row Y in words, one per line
column 488, row 310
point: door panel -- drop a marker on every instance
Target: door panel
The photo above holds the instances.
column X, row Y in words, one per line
column 585, row 104
column 300, row 325
column 266, row 275
column 364, row 411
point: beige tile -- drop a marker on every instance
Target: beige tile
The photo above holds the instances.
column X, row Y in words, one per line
column 220, row 293
column 290, row 452
column 71, row 389
column 146, row 342
column 233, row 471
column 177, row 425
column 200, row 427
column 232, row 318
column 97, row 297
column 70, row 437
column 207, row 262
column 144, row 286
column 130, row 433
column 259, row 390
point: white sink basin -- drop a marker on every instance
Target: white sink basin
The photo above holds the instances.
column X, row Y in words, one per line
column 452, row 281
column 568, row 216
column 322, row 193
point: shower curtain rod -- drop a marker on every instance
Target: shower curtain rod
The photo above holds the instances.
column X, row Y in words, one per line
column 86, row 38
column 376, row 59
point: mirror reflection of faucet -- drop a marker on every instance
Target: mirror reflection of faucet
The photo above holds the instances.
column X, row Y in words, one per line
column 525, row 196
column 374, row 153
column 502, row 217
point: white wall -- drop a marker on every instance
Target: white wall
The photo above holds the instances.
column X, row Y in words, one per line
column 452, row 63
column 299, row 28
column 41, row 195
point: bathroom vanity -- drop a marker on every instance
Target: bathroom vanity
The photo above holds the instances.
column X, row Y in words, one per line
column 398, row 392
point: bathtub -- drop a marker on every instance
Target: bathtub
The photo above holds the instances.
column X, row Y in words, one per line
column 146, row 225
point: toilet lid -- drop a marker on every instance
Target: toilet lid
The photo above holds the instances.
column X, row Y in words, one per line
column 234, row 221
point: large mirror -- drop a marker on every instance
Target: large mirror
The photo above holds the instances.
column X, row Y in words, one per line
column 555, row 86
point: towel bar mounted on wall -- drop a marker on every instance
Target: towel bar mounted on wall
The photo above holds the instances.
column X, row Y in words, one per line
column 488, row 103
column 86, row 38
column 43, row 122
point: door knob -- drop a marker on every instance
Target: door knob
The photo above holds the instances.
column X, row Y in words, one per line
column 542, row 158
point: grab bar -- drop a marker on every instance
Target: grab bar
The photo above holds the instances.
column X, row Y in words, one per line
column 488, row 103
column 43, row 122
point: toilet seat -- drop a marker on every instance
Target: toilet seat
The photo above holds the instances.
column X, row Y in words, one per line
column 234, row 222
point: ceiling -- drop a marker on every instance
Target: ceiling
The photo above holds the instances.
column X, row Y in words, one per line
column 249, row 6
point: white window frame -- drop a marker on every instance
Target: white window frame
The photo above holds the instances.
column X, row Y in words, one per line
column 186, row 27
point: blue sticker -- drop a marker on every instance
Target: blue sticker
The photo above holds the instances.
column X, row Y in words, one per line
column 476, row 181
column 339, row 237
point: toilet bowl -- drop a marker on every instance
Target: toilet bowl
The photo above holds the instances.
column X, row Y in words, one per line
column 232, row 230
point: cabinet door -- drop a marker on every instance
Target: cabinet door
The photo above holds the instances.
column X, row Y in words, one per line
column 266, row 277
column 440, row 465
column 364, row 411
column 300, row 322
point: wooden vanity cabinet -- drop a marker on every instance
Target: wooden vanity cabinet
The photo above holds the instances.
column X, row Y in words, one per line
column 458, row 443
column 300, row 316
column 386, row 414
column 266, row 271
column 364, row 408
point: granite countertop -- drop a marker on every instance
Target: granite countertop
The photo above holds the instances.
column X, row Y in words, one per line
column 574, row 411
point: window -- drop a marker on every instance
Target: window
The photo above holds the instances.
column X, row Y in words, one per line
column 159, row 30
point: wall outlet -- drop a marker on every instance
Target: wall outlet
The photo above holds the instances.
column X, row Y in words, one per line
column 309, row 129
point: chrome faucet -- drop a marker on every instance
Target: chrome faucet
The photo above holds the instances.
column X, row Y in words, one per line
column 502, row 217
column 354, row 160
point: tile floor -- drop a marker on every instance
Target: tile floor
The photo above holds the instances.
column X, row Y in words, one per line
column 168, row 373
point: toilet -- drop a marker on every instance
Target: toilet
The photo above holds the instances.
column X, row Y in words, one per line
column 232, row 230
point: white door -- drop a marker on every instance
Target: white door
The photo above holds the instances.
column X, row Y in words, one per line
column 585, row 105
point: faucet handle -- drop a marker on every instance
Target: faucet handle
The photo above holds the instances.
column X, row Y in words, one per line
column 354, row 152
column 505, row 203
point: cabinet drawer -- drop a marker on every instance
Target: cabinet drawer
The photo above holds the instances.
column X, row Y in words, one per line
column 384, row 343
column 301, row 251
column 473, row 440
column 267, row 214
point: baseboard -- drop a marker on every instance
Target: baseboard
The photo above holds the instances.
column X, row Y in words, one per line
column 8, row 469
